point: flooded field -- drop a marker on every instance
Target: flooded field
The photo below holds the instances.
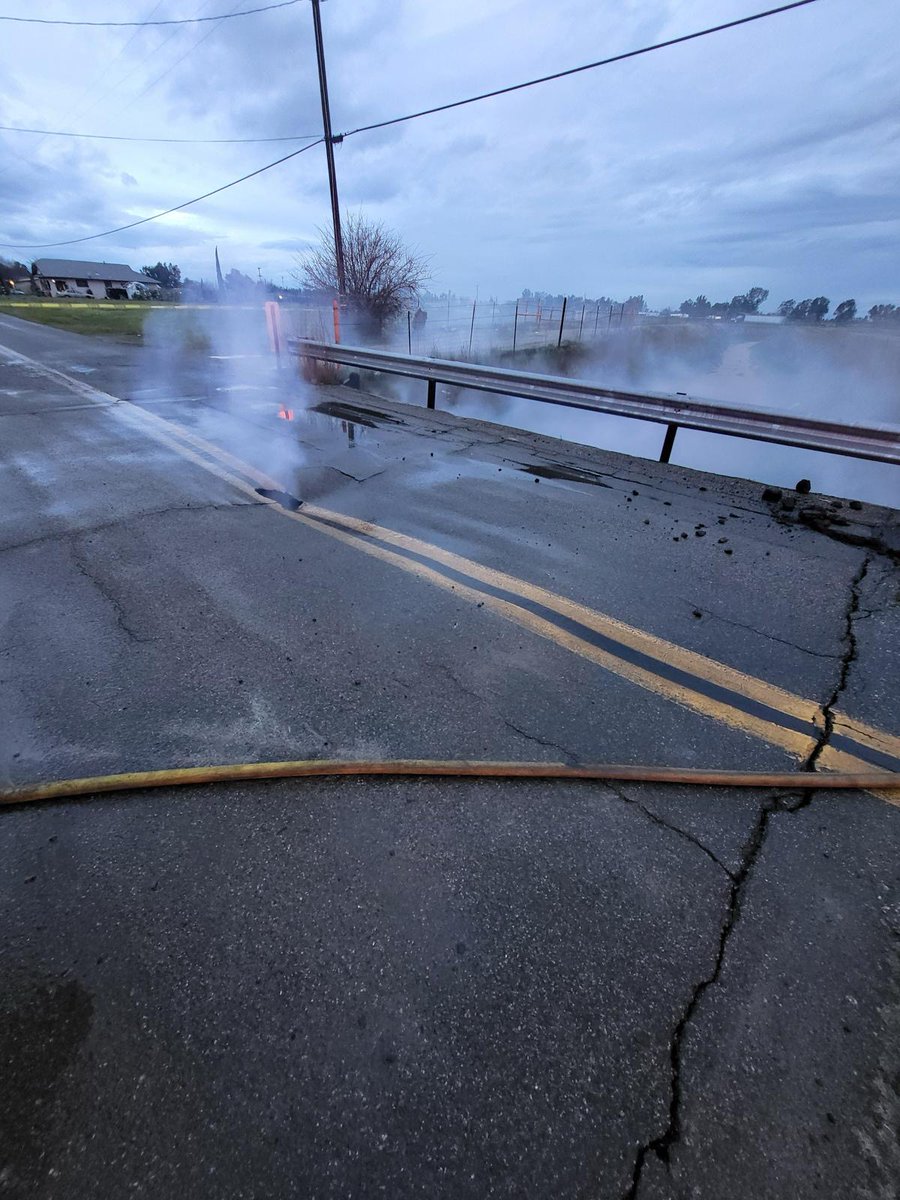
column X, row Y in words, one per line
column 851, row 376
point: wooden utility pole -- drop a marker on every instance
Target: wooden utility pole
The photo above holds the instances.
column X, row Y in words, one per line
column 329, row 150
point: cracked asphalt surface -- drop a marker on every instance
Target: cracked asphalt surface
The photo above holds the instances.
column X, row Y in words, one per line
column 414, row 988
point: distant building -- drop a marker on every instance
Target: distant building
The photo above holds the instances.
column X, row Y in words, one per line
column 100, row 280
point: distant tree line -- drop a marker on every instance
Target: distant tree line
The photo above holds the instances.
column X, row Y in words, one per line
column 167, row 275
column 738, row 307
column 633, row 303
column 812, row 310
column 817, row 308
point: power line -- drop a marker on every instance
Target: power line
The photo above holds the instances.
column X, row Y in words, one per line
column 424, row 113
column 99, row 97
column 176, row 208
column 246, row 12
column 603, row 62
column 84, row 92
column 172, row 65
column 109, row 137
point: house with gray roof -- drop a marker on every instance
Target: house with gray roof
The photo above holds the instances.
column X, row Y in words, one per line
column 101, row 280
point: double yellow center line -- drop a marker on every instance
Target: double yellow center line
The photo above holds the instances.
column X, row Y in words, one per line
column 705, row 686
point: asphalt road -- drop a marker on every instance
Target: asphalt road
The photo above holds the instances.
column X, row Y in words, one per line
column 429, row 988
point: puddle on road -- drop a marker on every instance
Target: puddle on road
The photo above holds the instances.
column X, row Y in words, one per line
column 572, row 474
column 356, row 413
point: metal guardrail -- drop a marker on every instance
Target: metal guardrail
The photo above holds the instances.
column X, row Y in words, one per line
column 673, row 411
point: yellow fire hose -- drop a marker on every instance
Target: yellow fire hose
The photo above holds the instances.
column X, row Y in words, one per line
column 303, row 768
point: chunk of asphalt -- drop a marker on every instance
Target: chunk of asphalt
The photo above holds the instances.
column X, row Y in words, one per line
column 285, row 499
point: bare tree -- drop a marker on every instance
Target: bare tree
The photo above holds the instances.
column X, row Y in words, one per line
column 382, row 275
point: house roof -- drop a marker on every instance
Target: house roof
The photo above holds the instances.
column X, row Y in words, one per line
column 68, row 268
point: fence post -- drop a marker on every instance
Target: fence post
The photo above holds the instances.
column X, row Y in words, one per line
column 472, row 326
column 596, row 317
column 562, row 321
column 408, row 331
column 581, row 326
column 515, row 326
column 273, row 328
column 668, row 443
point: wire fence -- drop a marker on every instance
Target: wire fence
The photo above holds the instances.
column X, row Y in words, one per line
column 470, row 330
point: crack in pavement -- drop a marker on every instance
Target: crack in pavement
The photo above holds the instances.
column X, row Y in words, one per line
column 58, row 408
column 848, row 658
column 459, row 683
column 762, row 633
column 355, row 478
column 62, row 534
column 567, row 754
column 121, row 621
column 661, row 1145
column 658, row 820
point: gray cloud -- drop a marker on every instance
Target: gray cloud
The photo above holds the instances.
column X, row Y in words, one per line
column 767, row 155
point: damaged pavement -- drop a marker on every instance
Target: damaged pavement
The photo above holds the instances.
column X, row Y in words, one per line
column 429, row 987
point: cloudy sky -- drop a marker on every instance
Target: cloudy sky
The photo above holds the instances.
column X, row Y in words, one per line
column 768, row 154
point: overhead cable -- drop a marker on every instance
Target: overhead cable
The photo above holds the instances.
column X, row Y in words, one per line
column 603, row 62
column 245, row 12
column 176, row 208
column 427, row 112
column 110, row 137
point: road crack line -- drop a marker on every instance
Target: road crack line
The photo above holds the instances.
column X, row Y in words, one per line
column 121, row 620
column 532, row 737
column 62, row 534
column 762, row 633
column 661, row 1145
column 467, row 691
column 848, row 658
column 658, row 820
column 567, row 754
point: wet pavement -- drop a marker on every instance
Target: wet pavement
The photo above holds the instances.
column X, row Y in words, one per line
column 419, row 988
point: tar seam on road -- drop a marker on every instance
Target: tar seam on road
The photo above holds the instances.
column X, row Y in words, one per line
column 713, row 689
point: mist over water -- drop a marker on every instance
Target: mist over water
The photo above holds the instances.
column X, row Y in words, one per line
column 847, row 375
column 850, row 375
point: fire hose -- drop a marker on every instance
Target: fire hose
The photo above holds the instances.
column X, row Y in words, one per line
column 304, row 768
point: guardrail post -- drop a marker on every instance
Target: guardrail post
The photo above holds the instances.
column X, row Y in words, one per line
column 668, row 443
column 432, row 391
